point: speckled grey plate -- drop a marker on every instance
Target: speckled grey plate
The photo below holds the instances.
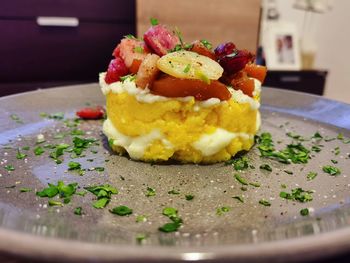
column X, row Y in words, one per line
column 249, row 232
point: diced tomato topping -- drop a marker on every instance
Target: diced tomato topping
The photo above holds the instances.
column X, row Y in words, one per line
column 131, row 49
column 243, row 83
column 135, row 65
column 256, row 71
column 174, row 87
column 91, row 113
column 116, row 69
column 199, row 48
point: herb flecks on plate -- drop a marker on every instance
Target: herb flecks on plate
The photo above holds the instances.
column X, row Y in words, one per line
column 172, row 214
column 293, row 153
column 298, row 194
column 103, row 193
column 332, row 170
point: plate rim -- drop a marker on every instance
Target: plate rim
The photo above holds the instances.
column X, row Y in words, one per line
column 35, row 246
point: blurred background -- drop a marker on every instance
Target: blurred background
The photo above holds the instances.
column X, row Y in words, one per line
column 46, row 43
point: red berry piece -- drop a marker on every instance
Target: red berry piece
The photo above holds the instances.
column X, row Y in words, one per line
column 116, row 69
column 160, row 39
column 91, row 113
column 236, row 61
column 224, row 49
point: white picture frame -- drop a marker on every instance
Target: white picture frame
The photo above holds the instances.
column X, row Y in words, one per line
column 281, row 46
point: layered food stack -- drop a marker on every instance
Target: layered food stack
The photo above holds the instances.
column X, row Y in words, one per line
column 167, row 99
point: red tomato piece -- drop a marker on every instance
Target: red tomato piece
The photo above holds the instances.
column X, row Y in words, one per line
column 116, row 69
column 243, row 83
column 174, row 87
column 198, row 47
column 256, row 71
column 91, row 113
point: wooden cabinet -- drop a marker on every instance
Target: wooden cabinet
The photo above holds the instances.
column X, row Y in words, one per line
column 41, row 54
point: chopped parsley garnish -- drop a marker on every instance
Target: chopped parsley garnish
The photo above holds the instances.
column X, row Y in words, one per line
column 329, row 139
column 59, row 148
column 240, row 163
column 255, row 184
column 298, row 194
column 295, row 136
column 317, row 136
column 304, row 212
column 187, row 68
column 38, row 150
column 16, row 118
column 264, row 202
column 20, row 155
column 138, row 49
column 334, row 161
column 311, row 175
column 26, row 148
column 171, row 213
column 207, row 44
column 315, row 148
column 80, row 144
column 77, row 132
column 221, row 210
column 150, row 192
column 103, row 194
column 169, row 227
column 25, row 190
column 101, row 202
column 56, row 116
column 295, row 153
column 266, row 167
column 99, row 169
column 336, row 150
column 9, row 167
column 140, row 238
column 129, row 77
column 189, row 197
column 332, row 170
column 241, row 179
column 74, row 166
column 174, row 192
column 141, row 218
column 54, row 203
column 154, row 21
column 340, row 136
column 179, row 35
column 288, row 172
column 130, row 36
column 78, row 211
column 61, row 189
column 121, row 210
column 239, row 198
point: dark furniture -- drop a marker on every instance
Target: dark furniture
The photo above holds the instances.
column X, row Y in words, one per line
column 36, row 54
column 310, row 81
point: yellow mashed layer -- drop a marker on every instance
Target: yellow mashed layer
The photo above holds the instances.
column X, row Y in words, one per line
column 179, row 129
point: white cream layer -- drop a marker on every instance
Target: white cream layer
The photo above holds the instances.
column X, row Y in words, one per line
column 207, row 144
column 145, row 96
column 135, row 146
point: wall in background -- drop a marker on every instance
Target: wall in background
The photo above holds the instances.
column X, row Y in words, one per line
column 217, row 21
column 331, row 32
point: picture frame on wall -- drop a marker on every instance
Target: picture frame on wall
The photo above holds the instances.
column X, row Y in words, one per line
column 282, row 49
